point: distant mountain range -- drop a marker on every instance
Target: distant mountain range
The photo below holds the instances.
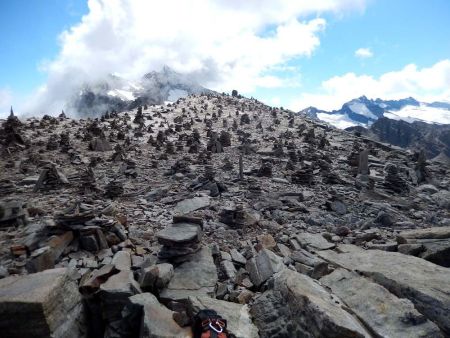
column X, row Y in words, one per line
column 364, row 112
column 405, row 123
column 118, row 94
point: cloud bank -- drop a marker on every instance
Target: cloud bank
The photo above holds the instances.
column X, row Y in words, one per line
column 426, row 84
column 224, row 44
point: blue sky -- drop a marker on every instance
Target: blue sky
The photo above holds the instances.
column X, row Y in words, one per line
column 393, row 33
column 30, row 37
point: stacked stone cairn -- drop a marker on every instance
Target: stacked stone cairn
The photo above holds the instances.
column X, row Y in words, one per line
column 180, row 239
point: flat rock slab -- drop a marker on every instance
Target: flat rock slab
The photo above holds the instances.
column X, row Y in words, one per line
column 192, row 204
column 157, row 321
column 238, row 318
column 385, row 314
column 196, row 277
column 429, row 233
column 43, row 304
column 297, row 306
column 179, row 233
column 315, row 241
column 434, row 243
column 425, row 284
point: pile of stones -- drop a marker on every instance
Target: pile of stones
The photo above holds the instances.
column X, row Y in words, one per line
column 180, row 239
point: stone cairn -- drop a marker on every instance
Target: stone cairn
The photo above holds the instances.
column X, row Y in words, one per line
column 114, row 189
column 303, row 176
column 180, row 239
column 227, row 165
column 7, row 187
column 421, row 168
column 265, row 170
column 52, row 142
column 87, row 181
column 214, row 145
column 392, row 181
column 50, row 178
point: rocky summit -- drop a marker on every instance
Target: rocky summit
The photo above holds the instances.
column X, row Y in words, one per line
column 128, row 224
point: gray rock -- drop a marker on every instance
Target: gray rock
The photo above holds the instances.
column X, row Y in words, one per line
column 424, row 283
column 427, row 188
column 192, row 204
column 122, row 261
column 297, row 306
column 384, row 313
column 156, row 277
column 114, row 295
column 410, row 249
column 179, row 233
column 315, row 241
column 152, row 318
column 238, row 318
column 237, row 257
column 229, row 269
column 428, row 233
column 435, row 243
column 198, row 276
column 44, row 304
column 263, row 266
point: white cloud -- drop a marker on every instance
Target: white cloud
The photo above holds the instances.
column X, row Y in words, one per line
column 225, row 44
column 363, row 53
column 6, row 98
column 425, row 84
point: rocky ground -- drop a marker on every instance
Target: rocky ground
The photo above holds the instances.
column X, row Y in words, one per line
column 127, row 225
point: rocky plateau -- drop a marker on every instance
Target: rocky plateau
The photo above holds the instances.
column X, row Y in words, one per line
column 126, row 225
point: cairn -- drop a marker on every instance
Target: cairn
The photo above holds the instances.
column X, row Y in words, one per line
column 114, row 189
column 392, row 181
column 50, row 178
column 7, row 187
column 303, row 176
column 52, row 142
column 180, row 239
column 265, row 170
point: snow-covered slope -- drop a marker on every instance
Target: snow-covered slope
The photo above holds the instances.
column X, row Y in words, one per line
column 364, row 112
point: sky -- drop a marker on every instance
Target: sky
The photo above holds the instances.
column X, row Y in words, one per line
column 290, row 53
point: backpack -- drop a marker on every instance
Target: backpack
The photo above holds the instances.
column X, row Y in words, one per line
column 208, row 324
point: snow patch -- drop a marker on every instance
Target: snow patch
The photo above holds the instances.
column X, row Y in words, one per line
column 124, row 95
column 340, row 121
column 361, row 109
column 421, row 113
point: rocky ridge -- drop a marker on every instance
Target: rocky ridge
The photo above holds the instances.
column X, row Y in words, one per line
column 283, row 225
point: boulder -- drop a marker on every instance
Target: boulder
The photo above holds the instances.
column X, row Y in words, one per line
column 43, row 304
column 122, row 261
column 145, row 317
column 114, row 295
column 297, row 306
column 434, row 243
column 156, row 277
column 197, row 276
column 263, row 266
column 425, row 284
column 238, row 318
column 385, row 314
